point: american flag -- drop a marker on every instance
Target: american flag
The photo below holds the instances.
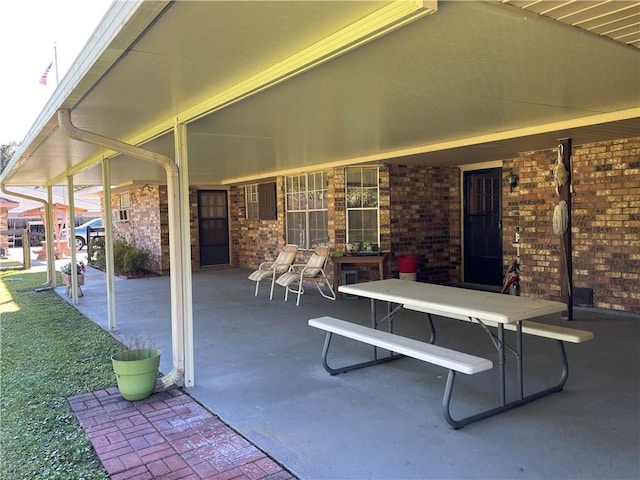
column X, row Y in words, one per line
column 43, row 78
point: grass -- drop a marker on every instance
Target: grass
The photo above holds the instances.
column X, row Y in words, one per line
column 48, row 352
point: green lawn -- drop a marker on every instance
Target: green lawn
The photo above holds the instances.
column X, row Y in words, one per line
column 48, row 351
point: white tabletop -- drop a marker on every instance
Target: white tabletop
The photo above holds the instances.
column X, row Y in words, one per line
column 441, row 299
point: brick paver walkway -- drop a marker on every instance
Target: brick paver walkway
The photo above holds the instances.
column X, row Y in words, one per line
column 168, row 436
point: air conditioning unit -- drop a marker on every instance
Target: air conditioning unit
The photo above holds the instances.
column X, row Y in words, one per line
column 121, row 216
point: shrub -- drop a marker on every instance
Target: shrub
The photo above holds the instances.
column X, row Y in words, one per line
column 135, row 260
column 96, row 254
column 127, row 257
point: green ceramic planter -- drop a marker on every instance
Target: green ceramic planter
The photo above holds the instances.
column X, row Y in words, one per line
column 136, row 372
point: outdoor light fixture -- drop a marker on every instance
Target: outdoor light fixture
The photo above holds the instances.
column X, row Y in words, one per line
column 512, row 181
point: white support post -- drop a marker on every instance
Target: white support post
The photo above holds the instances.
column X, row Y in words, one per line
column 50, row 247
column 71, row 237
column 182, row 161
column 108, row 245
column 175, row 232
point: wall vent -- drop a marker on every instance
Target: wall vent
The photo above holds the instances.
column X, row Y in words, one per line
column 348, row 277
column 583, row 297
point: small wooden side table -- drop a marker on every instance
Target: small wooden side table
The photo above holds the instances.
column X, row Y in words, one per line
column 355, row 259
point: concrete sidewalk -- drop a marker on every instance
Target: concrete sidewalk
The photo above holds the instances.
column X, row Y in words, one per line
column 258, row 368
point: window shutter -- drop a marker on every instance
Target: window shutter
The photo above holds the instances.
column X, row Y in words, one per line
column 267, row 201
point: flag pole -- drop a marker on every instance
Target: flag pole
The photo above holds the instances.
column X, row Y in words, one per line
column 55, row 60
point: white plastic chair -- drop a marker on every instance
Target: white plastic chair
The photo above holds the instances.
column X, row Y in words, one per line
column 273, row 269
column 313, row 271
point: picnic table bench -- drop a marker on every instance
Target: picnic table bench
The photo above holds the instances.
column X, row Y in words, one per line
column 489, row 310
column 400, row 346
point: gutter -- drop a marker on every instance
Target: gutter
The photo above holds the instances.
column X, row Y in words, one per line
column 175, row 247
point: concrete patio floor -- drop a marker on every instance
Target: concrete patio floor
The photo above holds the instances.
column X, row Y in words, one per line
column 257, row 367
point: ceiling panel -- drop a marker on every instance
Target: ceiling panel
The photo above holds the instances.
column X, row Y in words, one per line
column 472, row 82
column 618, row 20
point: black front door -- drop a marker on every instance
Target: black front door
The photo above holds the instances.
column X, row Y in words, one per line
column 213, row 221
column 483, row 226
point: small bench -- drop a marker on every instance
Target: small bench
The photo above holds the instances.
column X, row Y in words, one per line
column 443, row 357
column 401, row 346
column 555, row 332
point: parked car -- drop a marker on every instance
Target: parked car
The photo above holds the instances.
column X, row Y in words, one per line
column 82, row 236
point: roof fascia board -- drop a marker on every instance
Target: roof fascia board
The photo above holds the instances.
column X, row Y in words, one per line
column 586, row 121
column 620, row 115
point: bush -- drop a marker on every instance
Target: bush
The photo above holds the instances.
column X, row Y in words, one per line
column 95, row 253
column 128, row 259
column 35, row 238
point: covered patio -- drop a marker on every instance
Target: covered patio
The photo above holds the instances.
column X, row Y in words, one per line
column 174, row 99
column 258, row 368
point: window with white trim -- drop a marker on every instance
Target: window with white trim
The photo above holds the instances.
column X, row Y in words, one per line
column 261, row 201
column 306, row 207
column 125, row 201
column 122, row 215
column 251, row 199
column 362, row 194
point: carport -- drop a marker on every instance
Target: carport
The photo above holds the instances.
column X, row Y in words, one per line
column 209, row 93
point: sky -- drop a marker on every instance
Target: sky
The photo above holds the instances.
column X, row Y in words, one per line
column 28, row 32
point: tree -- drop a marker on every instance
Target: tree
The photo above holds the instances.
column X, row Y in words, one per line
column 6, row 152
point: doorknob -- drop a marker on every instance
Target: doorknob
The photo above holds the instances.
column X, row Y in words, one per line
column 499, row 224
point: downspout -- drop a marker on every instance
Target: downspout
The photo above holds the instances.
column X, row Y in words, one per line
column 50, row 283
column 50, row 220
column 175, row 249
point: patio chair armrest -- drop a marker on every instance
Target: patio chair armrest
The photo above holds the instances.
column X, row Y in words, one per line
column 297, row 267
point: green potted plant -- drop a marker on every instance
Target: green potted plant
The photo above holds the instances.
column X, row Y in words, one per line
column 66, row 277
column 136, row 368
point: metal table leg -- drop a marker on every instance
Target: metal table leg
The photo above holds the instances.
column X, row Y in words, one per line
column 519, row 358
column 374, row 324
column 501, row 361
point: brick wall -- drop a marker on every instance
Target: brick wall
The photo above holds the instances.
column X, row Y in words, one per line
column 419, row 215
column 147, row 225
column 425, row 220
column 255, row 241
column 193, row 233
column 605, row 223
column 4, row 225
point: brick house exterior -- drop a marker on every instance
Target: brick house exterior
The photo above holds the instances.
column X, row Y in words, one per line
column 605, row 223
column 4, row 222
column 5, row 206
column 420, row 214
column 147, row 223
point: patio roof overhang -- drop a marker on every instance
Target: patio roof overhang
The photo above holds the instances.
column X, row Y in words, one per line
column 267, row 88
column 8, row 204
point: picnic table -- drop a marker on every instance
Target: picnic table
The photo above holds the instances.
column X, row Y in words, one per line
column 493, row 312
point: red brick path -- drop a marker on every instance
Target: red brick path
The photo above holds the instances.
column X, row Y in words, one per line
column 170, row 436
